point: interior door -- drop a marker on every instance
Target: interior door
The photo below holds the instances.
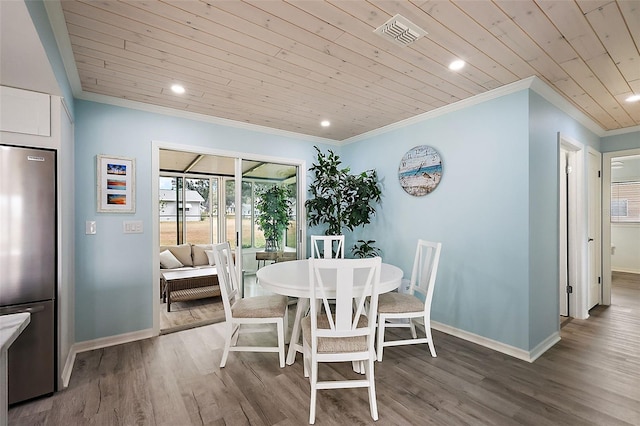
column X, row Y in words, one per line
column 594, row 226
column 563, row 280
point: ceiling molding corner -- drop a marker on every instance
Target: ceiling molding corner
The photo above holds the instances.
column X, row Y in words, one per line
column 59, row 28
column 551, row 95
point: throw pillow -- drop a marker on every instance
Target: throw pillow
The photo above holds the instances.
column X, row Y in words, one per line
column 199, row 256
column 212, row 260
column 169, row 261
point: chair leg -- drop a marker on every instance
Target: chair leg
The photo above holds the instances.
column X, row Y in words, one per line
column 381, row 322
column 306, row 357
column 427, row 332
column 413, row 328
column 280, row 326
column 373, row 405
column 314, row 392
column 227, row 344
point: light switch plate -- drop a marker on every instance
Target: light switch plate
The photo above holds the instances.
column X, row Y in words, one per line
column 90, row 227
column 132, row 227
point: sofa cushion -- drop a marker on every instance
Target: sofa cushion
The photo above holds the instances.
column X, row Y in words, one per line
column 182, row 252
column 212, row 260
column 169, row 261
column 199, row 255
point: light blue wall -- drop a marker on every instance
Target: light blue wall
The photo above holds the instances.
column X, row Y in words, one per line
column 621, row 142
column 114, row 270
column 479, row 212
column 545, row 121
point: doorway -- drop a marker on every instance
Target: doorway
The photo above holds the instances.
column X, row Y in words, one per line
column 206, row 197
column 621, row 216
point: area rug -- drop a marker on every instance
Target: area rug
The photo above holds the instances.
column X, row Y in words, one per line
column 190, row 314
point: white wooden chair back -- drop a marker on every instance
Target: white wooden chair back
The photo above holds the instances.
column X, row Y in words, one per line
column 322, row 246
column 339, row 277
column 425, row 269
column 227, row 276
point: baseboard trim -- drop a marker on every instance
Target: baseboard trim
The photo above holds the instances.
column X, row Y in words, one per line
column 522, row 354
column 544, row 346
column 626, row 271
column 68, row 368
column 103, row 342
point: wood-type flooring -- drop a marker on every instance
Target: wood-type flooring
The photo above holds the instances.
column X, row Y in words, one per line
column 590, row 377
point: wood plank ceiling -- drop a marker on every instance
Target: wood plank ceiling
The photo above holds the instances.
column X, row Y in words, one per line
column 290, row 64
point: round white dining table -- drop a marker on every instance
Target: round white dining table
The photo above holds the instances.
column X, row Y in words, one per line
column 292, row 279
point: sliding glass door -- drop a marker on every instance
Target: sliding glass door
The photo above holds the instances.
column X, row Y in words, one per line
column 257, row 178
column 207, row 199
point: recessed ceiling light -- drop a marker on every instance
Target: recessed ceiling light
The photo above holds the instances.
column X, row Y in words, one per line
column 325, row 123
column 177, row 89
column 456, row 65
column 633, row 98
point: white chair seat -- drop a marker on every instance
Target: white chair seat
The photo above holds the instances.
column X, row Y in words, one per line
column 399, row 303
column 332, row 345
column 260, row 307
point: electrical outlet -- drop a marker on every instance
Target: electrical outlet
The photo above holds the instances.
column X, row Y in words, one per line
column 132, row 227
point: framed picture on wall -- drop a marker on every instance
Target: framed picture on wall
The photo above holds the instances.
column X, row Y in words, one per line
column 116, row 184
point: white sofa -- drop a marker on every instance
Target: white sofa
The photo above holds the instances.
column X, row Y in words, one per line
column 185, row 286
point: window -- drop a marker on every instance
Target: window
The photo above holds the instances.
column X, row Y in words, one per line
column 625, row 202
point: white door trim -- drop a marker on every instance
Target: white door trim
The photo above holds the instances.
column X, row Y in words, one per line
column 577, row 226
column 594, row 227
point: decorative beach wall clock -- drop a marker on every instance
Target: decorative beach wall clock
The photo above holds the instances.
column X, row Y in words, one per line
column 420, row 170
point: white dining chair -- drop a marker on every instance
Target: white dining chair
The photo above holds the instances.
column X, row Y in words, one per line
column 248, row 311
column 327, row 246
column 337, row 332
column 413, row 305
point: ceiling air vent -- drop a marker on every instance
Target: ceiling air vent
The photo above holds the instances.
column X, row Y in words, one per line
column 400, row 30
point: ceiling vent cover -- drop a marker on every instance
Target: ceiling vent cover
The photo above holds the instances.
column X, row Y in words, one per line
column 400, row 30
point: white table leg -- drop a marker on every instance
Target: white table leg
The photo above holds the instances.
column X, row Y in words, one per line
column 294, row 344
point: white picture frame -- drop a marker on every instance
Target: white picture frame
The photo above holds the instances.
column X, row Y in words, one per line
column 116, row 184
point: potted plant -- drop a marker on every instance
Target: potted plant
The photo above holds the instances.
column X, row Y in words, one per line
column 274, row 214
column 341, row 200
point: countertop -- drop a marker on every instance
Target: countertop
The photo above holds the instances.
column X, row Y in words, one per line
column 10, row 328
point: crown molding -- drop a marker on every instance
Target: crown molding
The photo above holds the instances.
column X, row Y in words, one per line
column 621, row 131
column 126, row 103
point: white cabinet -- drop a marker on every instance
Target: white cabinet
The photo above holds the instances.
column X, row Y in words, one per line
column 26, row 112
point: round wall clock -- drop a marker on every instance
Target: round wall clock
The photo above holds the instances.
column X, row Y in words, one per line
column 420, row 170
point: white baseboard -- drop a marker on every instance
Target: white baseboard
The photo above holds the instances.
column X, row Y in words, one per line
column 522, row 354
column 103, row 342
column 628, row 271
column 68, row 367
column 543, row 346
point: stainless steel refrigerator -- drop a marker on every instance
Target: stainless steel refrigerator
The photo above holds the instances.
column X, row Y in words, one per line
column 28, row 266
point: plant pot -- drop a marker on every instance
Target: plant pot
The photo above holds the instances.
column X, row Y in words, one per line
column 271, row 246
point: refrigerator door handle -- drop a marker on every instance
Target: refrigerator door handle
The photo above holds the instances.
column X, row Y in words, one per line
column 31, row 310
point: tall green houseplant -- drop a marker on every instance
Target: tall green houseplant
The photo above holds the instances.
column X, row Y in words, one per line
column 341, row 200
column 274, row 214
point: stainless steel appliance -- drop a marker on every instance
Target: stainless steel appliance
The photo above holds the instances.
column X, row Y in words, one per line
column 28, row 265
